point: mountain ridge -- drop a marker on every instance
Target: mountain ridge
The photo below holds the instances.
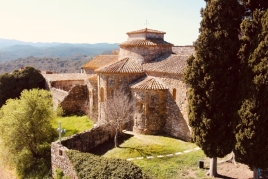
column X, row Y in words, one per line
column 14, row 49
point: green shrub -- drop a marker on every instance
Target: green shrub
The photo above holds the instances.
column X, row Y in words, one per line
column 90, row 166
column 60, row 174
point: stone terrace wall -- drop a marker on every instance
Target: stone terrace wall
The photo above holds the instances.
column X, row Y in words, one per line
column 82, row 142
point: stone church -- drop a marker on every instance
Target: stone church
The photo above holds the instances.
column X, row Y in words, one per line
column 148, row 68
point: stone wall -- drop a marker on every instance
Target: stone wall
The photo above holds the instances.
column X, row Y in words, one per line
column 93, row 101
column 144, row 54
column 177, row 124
column 82, row 142
column 76, row 101
column 60, row 160
column 150, row 113
column 66, row 85
column 108, row 84
column 58, row 96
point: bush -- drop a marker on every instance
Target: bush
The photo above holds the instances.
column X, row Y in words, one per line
column 91, row 166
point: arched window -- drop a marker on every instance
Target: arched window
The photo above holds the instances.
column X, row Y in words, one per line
column 174, row 93
column 102, row 94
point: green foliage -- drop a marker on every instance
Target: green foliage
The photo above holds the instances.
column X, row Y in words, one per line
column 211, row 75
column 90, row 166
column 26, row 122
column 73, row 124
column 11, row 85
column 60, row 174
column 251, row 129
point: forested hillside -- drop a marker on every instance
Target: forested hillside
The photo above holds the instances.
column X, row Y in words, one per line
column 13, row 49
column 57, row 65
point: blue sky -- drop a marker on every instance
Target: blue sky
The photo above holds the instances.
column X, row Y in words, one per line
column 96, row 21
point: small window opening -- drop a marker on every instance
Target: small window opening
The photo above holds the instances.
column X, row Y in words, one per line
column 174, row 93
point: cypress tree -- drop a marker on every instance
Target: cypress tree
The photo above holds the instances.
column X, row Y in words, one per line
column 212, row 74
column 251, row 137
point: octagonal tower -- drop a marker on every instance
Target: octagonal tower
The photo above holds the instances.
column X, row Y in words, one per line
column 144, row 45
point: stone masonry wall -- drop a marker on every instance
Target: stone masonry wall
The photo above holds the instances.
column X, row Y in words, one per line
column 108, row 84
column 144, row 54
column 150, row 111
column 82, row 142
column 177, row 124
column 58, row 95
column 76, row 101
column 93, row 101
column 60, row 160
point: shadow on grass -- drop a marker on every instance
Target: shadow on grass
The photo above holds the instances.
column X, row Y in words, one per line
column 109, row 145
column 224, row 177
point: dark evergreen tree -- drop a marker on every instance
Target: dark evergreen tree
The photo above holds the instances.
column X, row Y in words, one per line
column 251, row 131
column 11, row 85
column 212, row 74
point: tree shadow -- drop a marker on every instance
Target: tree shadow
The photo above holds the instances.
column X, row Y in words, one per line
column 109, row 145
column 224, row 177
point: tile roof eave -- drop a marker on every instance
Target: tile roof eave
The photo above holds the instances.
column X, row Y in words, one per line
column 160, row 72
column 98, row 72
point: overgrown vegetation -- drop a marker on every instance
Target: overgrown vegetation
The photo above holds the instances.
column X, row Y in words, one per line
column 26, row 132
column 89, row 166
column 11, row 85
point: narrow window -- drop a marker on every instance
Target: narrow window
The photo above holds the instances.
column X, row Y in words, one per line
column 102, row 95
column 174, row 93
column 60, row 152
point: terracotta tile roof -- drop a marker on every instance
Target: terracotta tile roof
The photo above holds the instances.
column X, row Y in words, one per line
column 183, row 50
column 147, row 42
column 146, row 30
column 100, row 61
column 66, row 76
column 125, row 65
column 150, row 83
column 171, row 64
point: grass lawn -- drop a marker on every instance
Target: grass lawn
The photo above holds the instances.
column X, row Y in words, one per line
column 180, row 166
column 73, row 124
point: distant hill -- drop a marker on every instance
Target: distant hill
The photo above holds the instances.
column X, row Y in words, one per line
column 14, row 49
column 56, row 65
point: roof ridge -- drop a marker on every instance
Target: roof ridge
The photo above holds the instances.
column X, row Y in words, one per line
column 124, row 63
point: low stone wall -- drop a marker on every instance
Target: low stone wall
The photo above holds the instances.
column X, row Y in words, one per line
column 60, row 160
column 82, row 142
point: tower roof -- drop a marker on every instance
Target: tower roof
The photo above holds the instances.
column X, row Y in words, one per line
column 145, row 31
column 145, row 42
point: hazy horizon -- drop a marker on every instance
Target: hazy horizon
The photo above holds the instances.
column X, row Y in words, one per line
column 98, row 21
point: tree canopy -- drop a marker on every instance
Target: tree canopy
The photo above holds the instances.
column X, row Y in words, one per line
column 11, row 85
column 211, row 74
column 26, row 131
column 251, row 136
